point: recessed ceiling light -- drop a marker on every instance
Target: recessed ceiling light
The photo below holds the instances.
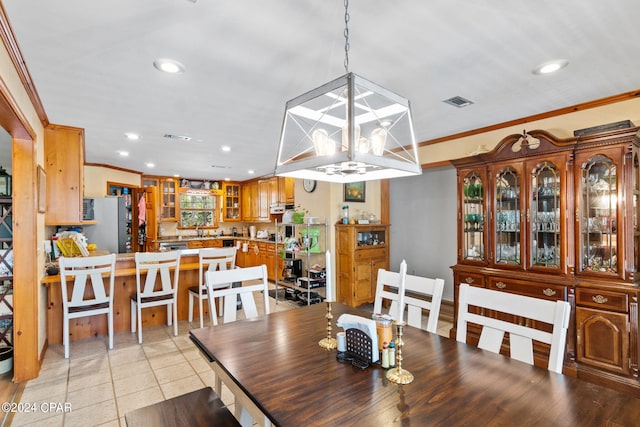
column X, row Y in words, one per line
column 123, row 153
column 170, row 66
column 225, row 148
column 550, row 66
column 132, row 136
column 227, row 179
column 251, row 171
column 150, row 165
column 176, row 175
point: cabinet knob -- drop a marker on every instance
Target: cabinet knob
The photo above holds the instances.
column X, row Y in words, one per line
column 599, row 299
column 469, row 280
column 549, row 292
column 501, row 285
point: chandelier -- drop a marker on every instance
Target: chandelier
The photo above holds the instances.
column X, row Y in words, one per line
column 347, row 130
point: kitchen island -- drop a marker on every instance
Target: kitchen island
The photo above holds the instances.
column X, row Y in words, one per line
column 125, row 285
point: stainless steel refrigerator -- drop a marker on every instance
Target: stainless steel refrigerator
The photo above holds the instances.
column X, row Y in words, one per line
column 113, row 229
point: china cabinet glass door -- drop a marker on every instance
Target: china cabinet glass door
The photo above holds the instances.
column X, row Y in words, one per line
column 507, row 217
column 545, row 217
column 598, row 216
column 473, row 220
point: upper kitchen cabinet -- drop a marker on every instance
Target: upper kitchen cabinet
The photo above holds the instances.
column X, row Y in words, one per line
column 63, row 164
column 286, row 192
column 168, row 201
column 250, row 201
column 232, row 202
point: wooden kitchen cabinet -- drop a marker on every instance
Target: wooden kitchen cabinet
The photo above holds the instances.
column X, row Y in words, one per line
column 64, row 165
column 250, row 201
column 168, row 200
column 558, row 219
column 204, row 243
column 286, row 190
column 264, row 197
column 232, row 203
column 361, row 250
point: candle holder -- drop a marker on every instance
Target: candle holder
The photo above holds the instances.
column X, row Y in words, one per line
column 328, row 343
column 398, row 375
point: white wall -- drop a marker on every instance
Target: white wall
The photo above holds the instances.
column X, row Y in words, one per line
column 423, row 225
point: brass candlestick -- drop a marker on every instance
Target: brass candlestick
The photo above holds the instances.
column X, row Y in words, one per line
column 328, row 343
column 397, row 374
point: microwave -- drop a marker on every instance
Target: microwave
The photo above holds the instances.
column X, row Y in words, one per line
column 276, row 209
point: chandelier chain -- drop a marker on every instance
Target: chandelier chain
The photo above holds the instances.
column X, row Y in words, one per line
column 346, row 35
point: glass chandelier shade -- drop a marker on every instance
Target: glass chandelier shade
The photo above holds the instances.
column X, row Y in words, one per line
column 347, row 130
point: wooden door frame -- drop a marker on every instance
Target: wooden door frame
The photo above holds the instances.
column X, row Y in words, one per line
column 26, row 281
column 25, row 275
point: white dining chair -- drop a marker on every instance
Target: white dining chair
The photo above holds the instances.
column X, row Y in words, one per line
column 423, row 295
column 521, row 337
column 257, row 276
column 253, row 279
column 154, row 292
column 211, row 259
column 95, row 270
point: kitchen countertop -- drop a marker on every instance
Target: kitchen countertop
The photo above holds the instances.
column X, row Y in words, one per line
column 173, row 239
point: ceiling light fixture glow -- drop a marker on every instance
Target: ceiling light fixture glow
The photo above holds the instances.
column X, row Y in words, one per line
column 170, row 66
column 251, row 171
column 132, row 136
column 150, row 165
column 225, row 148
column 123, row 153
column 550, row 66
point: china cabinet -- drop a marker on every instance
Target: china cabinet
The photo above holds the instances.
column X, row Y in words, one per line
column 361, row 250
column 556, row 218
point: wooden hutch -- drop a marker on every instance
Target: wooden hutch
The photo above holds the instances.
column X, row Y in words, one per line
column 558, row 219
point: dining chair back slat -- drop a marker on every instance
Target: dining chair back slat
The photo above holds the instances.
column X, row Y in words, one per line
column 257, row 276
column 87, row 272
column 421, row 293
column 160, row 287
column 210, row 259
column 521, row 336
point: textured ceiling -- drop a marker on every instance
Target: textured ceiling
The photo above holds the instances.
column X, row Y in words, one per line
column 92, row 67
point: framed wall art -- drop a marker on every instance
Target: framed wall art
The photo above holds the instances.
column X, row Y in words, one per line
column 354, row 192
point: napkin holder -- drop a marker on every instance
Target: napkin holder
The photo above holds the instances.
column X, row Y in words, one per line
column 359, row 346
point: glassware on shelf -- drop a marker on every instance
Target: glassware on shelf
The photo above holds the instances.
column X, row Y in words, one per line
column 473, row 217
column 598, row 228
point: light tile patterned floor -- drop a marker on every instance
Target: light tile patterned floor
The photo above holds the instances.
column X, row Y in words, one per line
column 101, row 386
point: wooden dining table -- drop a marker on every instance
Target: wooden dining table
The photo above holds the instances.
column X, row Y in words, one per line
column 276, row 362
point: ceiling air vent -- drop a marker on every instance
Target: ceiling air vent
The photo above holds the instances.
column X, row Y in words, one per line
column 458, row 101
column 177, row 137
